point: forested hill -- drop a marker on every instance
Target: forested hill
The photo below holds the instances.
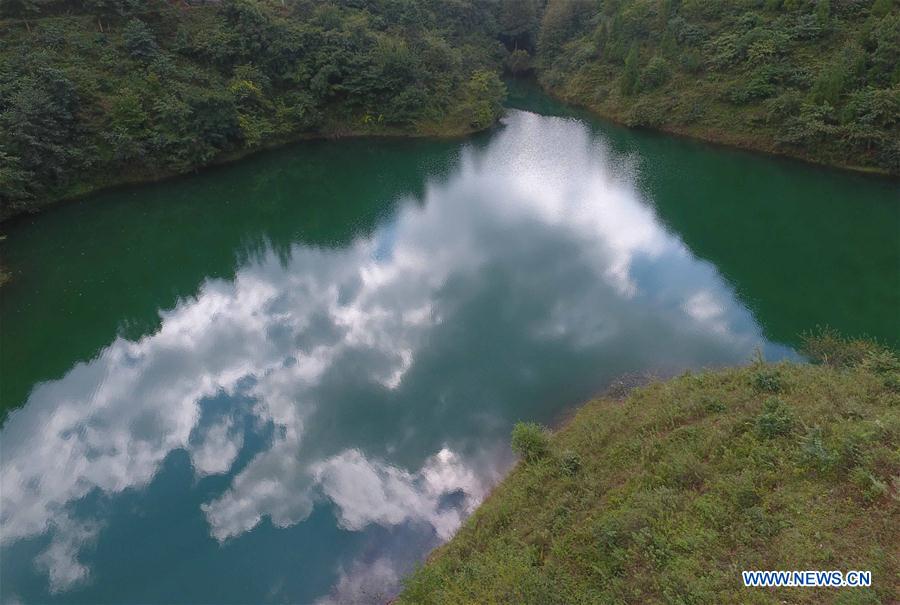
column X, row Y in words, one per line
column 818, row 79
column 97, row 92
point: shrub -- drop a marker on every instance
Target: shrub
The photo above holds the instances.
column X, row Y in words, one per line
column 645, row 114
column 484, row 94
column 655, row 74
column 725, row 50
column 776, row 419
column 570, row 463
column 767, row 380
column 823, row 12
column 759, row 86
column 830, row 83
column 139, row 40
column 881, row 361
column 880, row 8
column 689, row 34
column 871, row 486
column 518, row 62
column 530, row 441
column 631, row 73
column 892, row 382
column 807, row 27
column 885, row 66
column 814, row 454
column 691, row 61
column 714, row 406
column 827, row 347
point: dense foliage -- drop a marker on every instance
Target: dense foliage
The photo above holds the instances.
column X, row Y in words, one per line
column 819, row 79
column 101, row 91
column 666, row 496
column 96, row 92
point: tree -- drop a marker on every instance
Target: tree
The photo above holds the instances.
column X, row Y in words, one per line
column 484, row 93
column 823, row 12
column 632, row 71
column 139, row 41
column 880, row 8
column 19, row 8
column 561, row 20
column 15, row 184
column 39, row 125
column 655, row 74
column 518, row 22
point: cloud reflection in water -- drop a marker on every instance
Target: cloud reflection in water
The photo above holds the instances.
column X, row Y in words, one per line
column 390, row 369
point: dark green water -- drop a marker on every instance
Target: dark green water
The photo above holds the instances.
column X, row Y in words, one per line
column 287, row 379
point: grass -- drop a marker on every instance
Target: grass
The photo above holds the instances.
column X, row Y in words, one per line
column 666, row 495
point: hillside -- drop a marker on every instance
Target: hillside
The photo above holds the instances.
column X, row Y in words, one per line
column 667, row 495
column 100, row 92
column 816, row 79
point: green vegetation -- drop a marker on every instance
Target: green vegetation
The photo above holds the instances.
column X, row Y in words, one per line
column 98, row 92
column 817, row 79
column 665, row 496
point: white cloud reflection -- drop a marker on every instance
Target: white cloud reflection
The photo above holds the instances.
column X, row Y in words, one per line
column 366, row 492
column 541, row 204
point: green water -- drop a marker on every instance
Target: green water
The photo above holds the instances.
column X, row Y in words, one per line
column 288, row 378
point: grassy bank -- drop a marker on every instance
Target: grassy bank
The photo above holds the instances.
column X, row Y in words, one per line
column 666, row 495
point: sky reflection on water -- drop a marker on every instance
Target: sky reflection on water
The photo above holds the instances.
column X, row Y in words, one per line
column 322, row 420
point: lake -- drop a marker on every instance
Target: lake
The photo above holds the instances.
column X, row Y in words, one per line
column 288, row 378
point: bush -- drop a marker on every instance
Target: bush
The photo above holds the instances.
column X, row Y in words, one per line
column 631, row 72
column 655, row 74
column 570, row 463
column 691, row 61
column 775, row 421
column 806, row 28
column 645, row 114
column 714, row 406
column 484, row 94
column 881, row 361
column 830, row 83
column 519, row 62
column 814, row 453
column 871, row 486
column 828, row 347
column 139, row 40
column 530, row 441
column 880, row 8
column 759, row 86
column 767, row 380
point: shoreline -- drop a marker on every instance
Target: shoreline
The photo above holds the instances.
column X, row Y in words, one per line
column 229, row 157
column 714, row 137
column 709, row 136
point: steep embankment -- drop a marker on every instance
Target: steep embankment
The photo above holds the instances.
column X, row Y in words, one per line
column 815, row 79
column 667, row 495
column 98, row 93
